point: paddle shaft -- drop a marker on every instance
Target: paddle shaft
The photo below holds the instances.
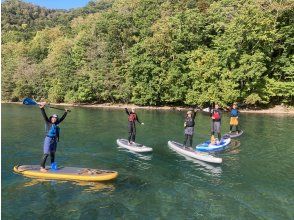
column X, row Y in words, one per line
column 29, row 101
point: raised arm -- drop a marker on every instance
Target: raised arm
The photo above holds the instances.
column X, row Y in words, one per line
column 194, row 113
column 44, row 113
column 127, row 111
column 63, row 117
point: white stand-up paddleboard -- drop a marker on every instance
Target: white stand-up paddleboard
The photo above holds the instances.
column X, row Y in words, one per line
column 179, row 148
column 206, row 110
column 140, row 148
column 235, row 134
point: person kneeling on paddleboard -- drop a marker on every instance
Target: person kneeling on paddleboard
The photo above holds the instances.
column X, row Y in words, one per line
column 216, row 122
column 52, row 135
column 133, row 117
column 189, row 126
column 234, row 118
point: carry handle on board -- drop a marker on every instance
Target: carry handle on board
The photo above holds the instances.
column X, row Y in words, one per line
column 29, row 101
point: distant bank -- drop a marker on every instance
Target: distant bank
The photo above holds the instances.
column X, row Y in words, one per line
column 278, row 109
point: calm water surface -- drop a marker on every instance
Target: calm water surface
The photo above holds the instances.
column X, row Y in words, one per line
column 255, row 181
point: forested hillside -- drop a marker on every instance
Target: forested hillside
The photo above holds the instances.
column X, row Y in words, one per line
column 150, row 52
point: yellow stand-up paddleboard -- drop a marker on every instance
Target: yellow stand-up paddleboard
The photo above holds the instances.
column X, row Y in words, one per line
column 66, row 173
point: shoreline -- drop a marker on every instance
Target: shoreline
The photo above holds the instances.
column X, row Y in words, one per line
column 275, row 110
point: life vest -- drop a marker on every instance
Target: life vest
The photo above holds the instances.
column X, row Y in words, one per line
column 53, row 131
column 216, row 115
column 234, row 112
column 190, row 122
column 132, row 117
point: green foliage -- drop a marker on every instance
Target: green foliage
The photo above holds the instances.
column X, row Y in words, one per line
column 210, row 81
column 150, row 52
column 39, row 45
column 57, row 92
column 253, row 99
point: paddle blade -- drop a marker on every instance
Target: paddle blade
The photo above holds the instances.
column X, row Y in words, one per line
column 28, row 101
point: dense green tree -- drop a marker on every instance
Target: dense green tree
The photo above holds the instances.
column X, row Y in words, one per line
column 150, row 52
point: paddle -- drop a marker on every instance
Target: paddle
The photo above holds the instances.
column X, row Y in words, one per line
column 29, row 101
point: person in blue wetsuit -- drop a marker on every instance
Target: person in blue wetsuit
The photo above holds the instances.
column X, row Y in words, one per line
column 52, row 136
column 234, row 113
column 132, row 118
column 189, row 127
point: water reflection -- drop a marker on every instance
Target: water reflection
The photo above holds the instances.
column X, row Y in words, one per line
column 136, row 154
column 86, row 186
column 215, row 170
column 133, row 159
column 96, row 186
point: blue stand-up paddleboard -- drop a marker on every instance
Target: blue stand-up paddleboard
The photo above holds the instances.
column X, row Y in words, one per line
column 208, row 147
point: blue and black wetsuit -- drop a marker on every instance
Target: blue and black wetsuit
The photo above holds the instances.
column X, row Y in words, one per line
column 133, row 117
column 52, row 137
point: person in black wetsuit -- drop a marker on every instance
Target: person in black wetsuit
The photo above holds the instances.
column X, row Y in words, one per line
column 52, row 136
column 133, row 117
column 189, row 127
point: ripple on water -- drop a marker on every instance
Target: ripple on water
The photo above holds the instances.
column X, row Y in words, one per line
column 255, row 181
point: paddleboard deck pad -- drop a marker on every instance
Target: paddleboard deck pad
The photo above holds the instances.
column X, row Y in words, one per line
column 190, row 152
column 66, row 173
column 235, row 134
column 208, row 147
column 134, row 146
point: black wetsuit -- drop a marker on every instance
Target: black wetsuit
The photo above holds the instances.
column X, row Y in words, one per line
column 132, row 125
column 189, row 129
column 50, row 142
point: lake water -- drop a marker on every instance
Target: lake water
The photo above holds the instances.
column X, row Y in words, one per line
column 255, row 181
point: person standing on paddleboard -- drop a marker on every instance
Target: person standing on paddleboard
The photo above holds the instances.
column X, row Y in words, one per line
column 52, row 135
column 133, row 117
column 216, row 115
column 234, row 113
column 189, row 127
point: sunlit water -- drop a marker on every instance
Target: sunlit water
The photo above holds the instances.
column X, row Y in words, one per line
column 255, row 181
